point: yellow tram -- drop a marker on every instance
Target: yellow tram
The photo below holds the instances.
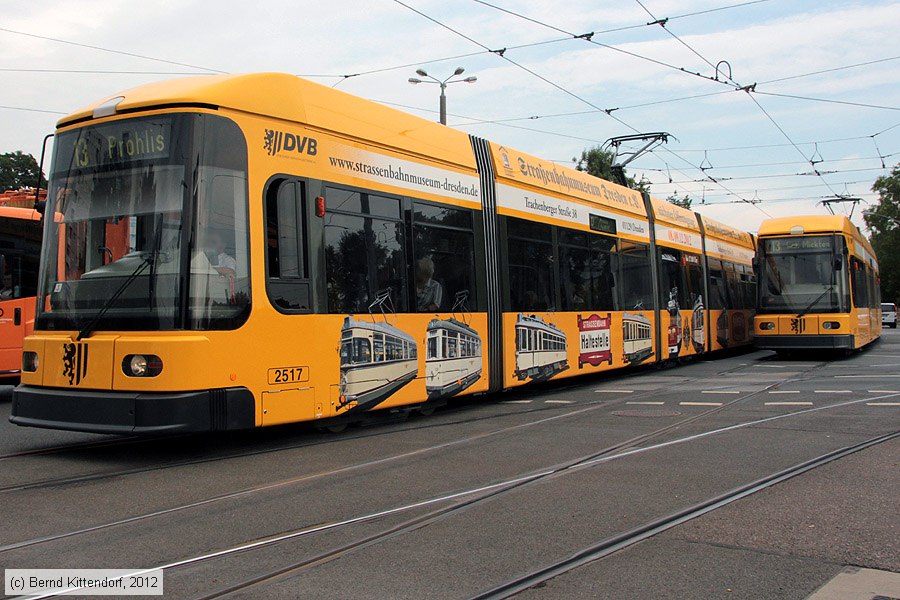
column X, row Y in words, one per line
column 818, row 285
column 227, row 252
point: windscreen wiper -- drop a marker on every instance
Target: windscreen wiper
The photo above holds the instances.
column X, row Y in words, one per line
column 814, row 302
column 148, row 260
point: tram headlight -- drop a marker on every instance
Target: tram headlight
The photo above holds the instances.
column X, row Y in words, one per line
column 138, row 365
column 29, row 362
column 766, row 325
column 831, row 325
column 142, row 365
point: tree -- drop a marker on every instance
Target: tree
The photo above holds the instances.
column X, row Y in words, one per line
column 683, row 201
column 599, row 163
column 883, row 220
column 18, row 170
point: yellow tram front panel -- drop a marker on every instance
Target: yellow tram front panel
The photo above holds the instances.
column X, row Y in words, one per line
column 819, row 285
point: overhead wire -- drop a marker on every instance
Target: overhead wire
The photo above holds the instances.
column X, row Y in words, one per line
column 555, row 85
column 727, row 77
column 102, row 49
column 486, row 49
column 749, row 89
column 103, row 72
column 831, row 101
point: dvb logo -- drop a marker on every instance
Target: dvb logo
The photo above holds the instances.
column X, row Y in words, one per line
column 277, row 141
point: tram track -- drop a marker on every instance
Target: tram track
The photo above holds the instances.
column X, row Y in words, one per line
column 622, row 541
column 464, row 499
column 583, row 408
column 102, row 444
column 89, row 445
column 486, row 493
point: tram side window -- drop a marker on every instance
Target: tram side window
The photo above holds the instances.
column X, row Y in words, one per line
column 860, row 286
column 636, row 287
column 287, row 282
column 20, row 248
column 748, row 287
column 531, row 266
column 734, row 288
column 694, row 279
column 717, row 289
column 586, row 271
column 365, row 261
column 672, row 289
column 444, row 265
column 870, row 280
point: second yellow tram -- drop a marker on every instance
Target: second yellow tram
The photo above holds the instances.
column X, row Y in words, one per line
column 818, row 285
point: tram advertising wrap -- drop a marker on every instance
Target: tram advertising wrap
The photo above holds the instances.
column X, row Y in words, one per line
column 229, row 252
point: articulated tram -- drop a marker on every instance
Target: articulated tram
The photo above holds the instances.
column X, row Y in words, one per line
column 238, row 251
column 819, row 285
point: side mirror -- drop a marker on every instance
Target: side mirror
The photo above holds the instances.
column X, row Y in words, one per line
column 838, row 262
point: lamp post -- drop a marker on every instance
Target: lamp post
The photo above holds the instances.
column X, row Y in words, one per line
column 443, row 84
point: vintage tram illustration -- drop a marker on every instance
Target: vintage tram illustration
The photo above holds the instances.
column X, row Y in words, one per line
column 698, row 327
column 540, row 349
column 674, row 332
column 377, row 359
column 453, row 358
column 637, row 343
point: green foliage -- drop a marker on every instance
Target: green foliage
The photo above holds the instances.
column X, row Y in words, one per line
column 683, row 201
column 883, row 220
column 19, row 170
column 599, row 163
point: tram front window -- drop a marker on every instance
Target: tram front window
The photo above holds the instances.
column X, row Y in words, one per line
column 119, row 253
column 803, row 274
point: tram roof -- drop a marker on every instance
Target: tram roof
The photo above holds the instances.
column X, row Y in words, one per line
column 804, row 224
column 635, row 317
column 807, row 224
column 719, row 230
column 18, row 212
column 672, row 214
column 536, row 322
column 291, row 98
column 452, row 325
column 379, row 327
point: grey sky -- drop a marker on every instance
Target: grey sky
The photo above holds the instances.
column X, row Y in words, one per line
column 546, row 95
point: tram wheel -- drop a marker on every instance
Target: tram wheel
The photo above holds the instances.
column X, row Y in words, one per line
column 333, row 427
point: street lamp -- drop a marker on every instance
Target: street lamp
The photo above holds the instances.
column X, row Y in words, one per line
column 443, row 84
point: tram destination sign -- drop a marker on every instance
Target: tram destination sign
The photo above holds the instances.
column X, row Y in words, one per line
column 799, row 244
column 114, row 144
column 603, row 224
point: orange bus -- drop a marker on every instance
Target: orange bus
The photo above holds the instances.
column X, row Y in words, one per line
column 20, row 250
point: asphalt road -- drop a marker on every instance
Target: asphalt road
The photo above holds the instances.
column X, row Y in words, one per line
column 455, row 504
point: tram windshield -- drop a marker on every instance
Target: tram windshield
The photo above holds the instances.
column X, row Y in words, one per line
column 149, row 227
column 805, row 274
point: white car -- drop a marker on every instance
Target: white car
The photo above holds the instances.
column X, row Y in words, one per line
column 889, row 314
